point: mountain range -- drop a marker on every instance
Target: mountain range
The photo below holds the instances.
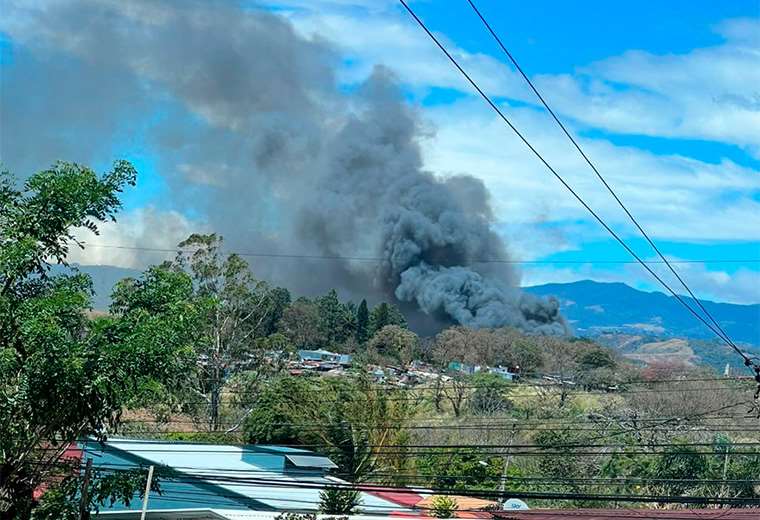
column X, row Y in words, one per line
column 593, row 308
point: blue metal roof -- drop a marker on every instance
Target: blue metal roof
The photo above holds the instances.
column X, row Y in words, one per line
column 245, row 477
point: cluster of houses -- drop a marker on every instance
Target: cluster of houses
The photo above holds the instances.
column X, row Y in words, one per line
column 320, row 360
column 416, row 373
column 511, row 373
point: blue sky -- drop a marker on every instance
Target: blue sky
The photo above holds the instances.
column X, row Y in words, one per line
column 551, row 38
column 664, row 96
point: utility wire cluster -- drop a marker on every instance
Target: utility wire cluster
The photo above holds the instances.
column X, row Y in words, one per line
column 712, row 324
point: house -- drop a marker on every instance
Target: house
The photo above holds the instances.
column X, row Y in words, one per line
column 509, row 374
column 324, row 356
column 464, row 368
column 238, row 478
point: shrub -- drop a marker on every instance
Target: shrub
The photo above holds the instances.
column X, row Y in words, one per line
column 338, row 501
column 443, row 506
column 295, row 516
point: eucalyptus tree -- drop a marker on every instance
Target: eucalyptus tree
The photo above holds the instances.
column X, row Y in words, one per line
column 234, row 318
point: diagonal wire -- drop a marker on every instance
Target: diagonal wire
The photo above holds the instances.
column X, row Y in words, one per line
column 747, row 360
column 596, row 171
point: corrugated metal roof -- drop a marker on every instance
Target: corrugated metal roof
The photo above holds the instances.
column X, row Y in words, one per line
column 311, row 461
column 234, row 469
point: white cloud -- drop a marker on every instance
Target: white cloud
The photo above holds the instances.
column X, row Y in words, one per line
column 741, row 286
column 674, row 197
column 390, row 37
column 129, row 240
column 708, row 93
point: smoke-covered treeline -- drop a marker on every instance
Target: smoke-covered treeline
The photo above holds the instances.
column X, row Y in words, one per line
column 248, row 127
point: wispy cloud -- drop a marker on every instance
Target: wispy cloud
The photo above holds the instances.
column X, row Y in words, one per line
column 130, row 240
column 708, row 93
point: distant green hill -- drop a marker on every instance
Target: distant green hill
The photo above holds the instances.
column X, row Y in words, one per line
column 595, row 307
column 640, row 324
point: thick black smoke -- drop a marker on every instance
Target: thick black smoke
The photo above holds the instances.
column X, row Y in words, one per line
column 251, row 131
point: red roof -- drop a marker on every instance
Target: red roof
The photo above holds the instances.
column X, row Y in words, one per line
column 400, row 497
column 72, row 453
column 630, row 514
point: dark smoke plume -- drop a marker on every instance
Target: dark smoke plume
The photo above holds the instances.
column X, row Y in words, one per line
column 250, row 130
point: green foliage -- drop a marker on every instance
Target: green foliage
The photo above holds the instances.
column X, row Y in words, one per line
column 489, row 396
column 393, row 344
column 461, row 470
column 63, row 376
column 300, row 323
column 443, row 506
column 335, row 500
column 275, row 415
column 234, row 307
column 200, row 437
column 682, row 469
column 351, row 418
column 336, row 321
column 36, row 223
column 274, row 305
column 525, row 354
column 362, row 323
column 295, row 516
column 105, row 489
column 566, row 470
column 597, row 358
column 677, row 464
column 383, row 315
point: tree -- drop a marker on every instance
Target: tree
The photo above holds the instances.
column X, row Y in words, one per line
column 277, row 412
column 597, row 358
column 300, row 323
column 362, row 323
column 63, row 502
column 568, row 470
column 335, row 500
column 236, row 305
column 354, row 421
column 276, row 301
column 461, row 470
column 336, row 321
column 385, row 314
column 474, row 347
column 456, row 393
column 488, row 397
column 394, row 343
column 62, row 375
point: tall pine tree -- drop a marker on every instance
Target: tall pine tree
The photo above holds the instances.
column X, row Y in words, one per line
column 336, row 322
column 385, row 314
column 362, row 323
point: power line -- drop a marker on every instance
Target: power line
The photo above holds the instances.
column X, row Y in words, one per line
column 473, row 448
column 568, row 391
column 298, row 256
column 747, row 360
column 598, row 174
column 476, row 492
column 421, row 475
column 524, row 382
